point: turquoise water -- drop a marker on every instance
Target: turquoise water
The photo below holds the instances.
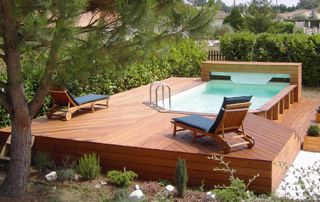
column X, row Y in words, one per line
column 208, row 97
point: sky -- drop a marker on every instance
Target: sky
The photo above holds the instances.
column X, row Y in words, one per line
column 285, row 2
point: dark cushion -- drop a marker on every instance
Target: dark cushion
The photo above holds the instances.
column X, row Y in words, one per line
column 227, row 101
column 196, row 121
column 89, row 98
column 235, row 100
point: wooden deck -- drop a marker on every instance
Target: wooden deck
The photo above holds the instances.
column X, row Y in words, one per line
column 132, row 135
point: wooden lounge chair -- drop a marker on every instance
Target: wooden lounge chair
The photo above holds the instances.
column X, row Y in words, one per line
column 229, row 120
column 64, row 102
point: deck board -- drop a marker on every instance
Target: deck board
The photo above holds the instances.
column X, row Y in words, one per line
column 131, row 134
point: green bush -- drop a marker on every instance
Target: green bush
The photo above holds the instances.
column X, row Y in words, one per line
column 237, row 191
column 268, row 47
column 238, row 46
column 121, row 179
column 42, row 161
column 121, row 195
column 67, row 171
column 314, row 131
column 282, row 28
column 181, row 177
column 66, row 174
column 89, row 166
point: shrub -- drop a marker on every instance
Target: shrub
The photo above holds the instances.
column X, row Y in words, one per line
column 281, row 28
column 121, row 195
column 181, row 177
column 314, row 131
column 89, row 166
column 235, row 192
column 42, row 161
column 238, row 46
column 121, row 179
column 66, row 174
column 268, row 47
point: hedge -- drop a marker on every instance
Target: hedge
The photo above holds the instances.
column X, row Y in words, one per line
column 182, row 60
column 268, row 47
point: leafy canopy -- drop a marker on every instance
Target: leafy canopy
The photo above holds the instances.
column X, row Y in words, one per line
column 67, row 41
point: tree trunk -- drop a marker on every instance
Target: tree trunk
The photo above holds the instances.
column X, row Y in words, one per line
column 15, row 182
column 16, row 179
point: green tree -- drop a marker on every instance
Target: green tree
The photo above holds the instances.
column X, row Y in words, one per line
column 260, row 16
column 308, row 4
column 124, row 30
column 235, row 19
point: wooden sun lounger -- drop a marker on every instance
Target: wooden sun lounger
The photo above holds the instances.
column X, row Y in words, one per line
column 229, row 120
column 64, row 102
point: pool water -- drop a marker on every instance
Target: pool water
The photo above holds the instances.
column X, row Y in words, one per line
column 208, row 97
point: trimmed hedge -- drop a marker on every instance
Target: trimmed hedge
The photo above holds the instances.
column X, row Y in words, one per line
column 268, row 47
column 182, row 60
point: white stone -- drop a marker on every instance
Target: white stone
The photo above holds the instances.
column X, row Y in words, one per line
column 211, row 196
column 137, row 187
column 289, row 186
column 97, row 186
column 136, row 194
column 51, row 176
column 103, row 182
column 169, row 188
column 77, row 177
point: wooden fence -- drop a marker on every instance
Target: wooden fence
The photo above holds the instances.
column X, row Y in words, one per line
column 215, row 55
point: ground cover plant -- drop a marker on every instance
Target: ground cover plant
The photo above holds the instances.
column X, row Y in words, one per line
column 121, row 179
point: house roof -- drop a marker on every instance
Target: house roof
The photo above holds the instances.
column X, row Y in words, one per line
column 288, row 15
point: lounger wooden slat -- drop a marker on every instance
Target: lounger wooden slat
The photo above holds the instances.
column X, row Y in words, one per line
column 229, row 120
column 65, row 103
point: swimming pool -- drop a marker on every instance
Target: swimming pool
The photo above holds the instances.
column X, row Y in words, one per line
column 208, row 97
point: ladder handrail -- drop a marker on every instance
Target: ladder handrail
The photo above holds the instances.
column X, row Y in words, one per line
column 159, row 84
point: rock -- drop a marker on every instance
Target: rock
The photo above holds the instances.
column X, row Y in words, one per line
column 210, row 196
column 51, row 176
column 136, row 194
column 169, row 188
column 137, row 187
column 77, row 177
column 103, row 182
column 97, row 186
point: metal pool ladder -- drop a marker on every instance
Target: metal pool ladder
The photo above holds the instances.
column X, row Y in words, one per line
column 157, row 85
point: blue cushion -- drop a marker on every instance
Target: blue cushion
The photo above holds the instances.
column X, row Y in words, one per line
column 235, row 100
column 196, row 121
column 227, row 101
column 89, row 98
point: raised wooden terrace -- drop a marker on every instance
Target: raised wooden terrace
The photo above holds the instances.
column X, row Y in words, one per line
column 132, row 135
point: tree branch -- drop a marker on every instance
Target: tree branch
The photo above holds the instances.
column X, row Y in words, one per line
column 45, row 83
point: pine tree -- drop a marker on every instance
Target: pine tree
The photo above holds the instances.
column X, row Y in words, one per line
column 48, row 30
column 259, row 17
